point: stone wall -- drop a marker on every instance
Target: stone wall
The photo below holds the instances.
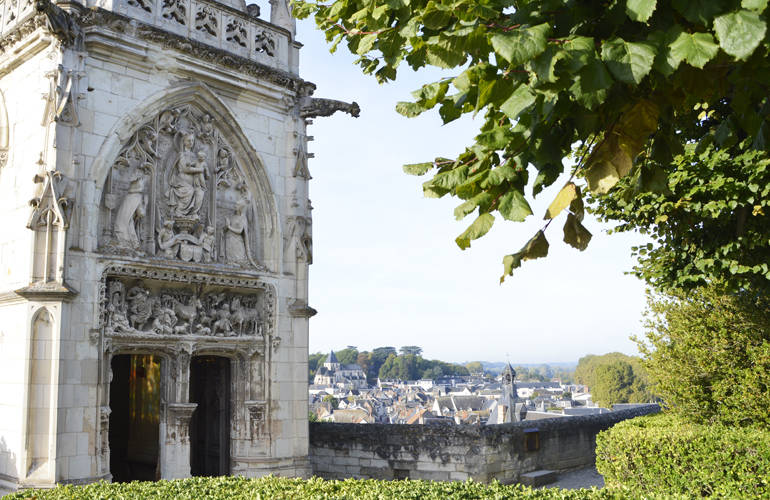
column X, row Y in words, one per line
column 449, row 452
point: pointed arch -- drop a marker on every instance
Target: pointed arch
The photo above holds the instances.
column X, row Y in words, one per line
column 203, row 98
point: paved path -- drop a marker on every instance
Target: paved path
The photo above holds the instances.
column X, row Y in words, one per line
column 576, row 479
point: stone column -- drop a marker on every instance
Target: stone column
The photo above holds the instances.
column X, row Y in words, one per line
column 175, row 455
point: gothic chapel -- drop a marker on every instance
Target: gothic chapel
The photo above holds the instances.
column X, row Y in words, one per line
column 155, row 243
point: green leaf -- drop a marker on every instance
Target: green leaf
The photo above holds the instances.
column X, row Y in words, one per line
column 476, row 230
column 409, row 109
column 699, row 11
column 521, row 99
column 590, row 86
column 696, row 48
column 629, row 62
column 562, row 200
column 755, row 5
column 491, row 91
column 435, row 16
column 739, row 32
column 522, row 44
column 469, row 206
column 418, row 168
column 366, row 43
column 495, row 139
column 640, row 10
column 575, row 234
column 513, row 206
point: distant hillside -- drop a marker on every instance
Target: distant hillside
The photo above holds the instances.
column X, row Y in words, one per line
column 498, row 366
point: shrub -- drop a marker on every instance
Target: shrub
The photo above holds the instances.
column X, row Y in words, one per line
column 664, row 454
column 707, row 353
column 281, row 488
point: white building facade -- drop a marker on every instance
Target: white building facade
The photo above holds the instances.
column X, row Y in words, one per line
column 156, row 241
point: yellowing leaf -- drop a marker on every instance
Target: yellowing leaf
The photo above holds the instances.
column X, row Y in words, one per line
column 562, row 200
column 575, row 234
column 534, row 249
column 614, row 156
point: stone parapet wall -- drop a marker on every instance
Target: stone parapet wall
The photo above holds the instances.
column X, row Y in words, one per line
column 450, row 452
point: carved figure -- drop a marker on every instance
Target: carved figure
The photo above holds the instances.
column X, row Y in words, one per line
column 264, row 42
column 236, row 237
column 185, row 197
column 207, row 242
column 140, row 306
column 242, row 315
column 176, row 10
column 167, row 240
column 206, row 21
column 187, row 313
column 207, row 126
column 199, row 179
column 312, row 107
column 168, row 120
column 165, row 318
column 132, row 209
column 116, row 315
column 222, row 326
column 236, row 32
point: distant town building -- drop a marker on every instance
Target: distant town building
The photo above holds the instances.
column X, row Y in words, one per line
column 333, row 373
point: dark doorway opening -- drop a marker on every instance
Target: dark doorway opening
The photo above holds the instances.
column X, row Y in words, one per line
column 135, row 418
column 210, row 424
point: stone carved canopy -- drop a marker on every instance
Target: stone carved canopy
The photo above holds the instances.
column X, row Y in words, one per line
column 177, row 192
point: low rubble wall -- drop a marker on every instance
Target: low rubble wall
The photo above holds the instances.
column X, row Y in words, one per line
column 444, row 452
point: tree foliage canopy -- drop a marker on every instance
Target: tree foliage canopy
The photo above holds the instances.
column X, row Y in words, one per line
column 707, row 353
column 614, row 378
column 617, row 86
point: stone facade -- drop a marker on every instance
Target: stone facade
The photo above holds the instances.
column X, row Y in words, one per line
column 442, row 452
column 169, row 222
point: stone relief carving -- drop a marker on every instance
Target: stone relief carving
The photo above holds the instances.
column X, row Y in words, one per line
column 147, row 308
column 145, row 5
column 235, row 32
column 141, row 4
column 299, row 240
column 175, row 10
column 206, row 21
column 264, row 42
column 175, row 192
column 257, row 418
column 140, row 300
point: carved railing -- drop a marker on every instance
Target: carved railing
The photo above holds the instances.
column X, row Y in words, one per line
column 212, row 23
column 209, row 22
column 14, row 13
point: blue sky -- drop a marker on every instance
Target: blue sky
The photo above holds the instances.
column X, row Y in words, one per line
column 386, row 269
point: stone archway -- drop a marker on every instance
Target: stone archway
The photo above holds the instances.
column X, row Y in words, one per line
column 179, row 180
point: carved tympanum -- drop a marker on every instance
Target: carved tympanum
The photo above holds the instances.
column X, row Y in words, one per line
column 150, row 308
column 176, row 192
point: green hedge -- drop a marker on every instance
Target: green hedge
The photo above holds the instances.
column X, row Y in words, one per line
column 663, row 454
column 279, row 488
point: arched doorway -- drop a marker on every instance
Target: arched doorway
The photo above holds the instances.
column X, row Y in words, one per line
column 135, row 417
column 210, row 424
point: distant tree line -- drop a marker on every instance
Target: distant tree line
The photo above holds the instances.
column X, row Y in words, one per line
column 614, row 378
column 405, row 363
